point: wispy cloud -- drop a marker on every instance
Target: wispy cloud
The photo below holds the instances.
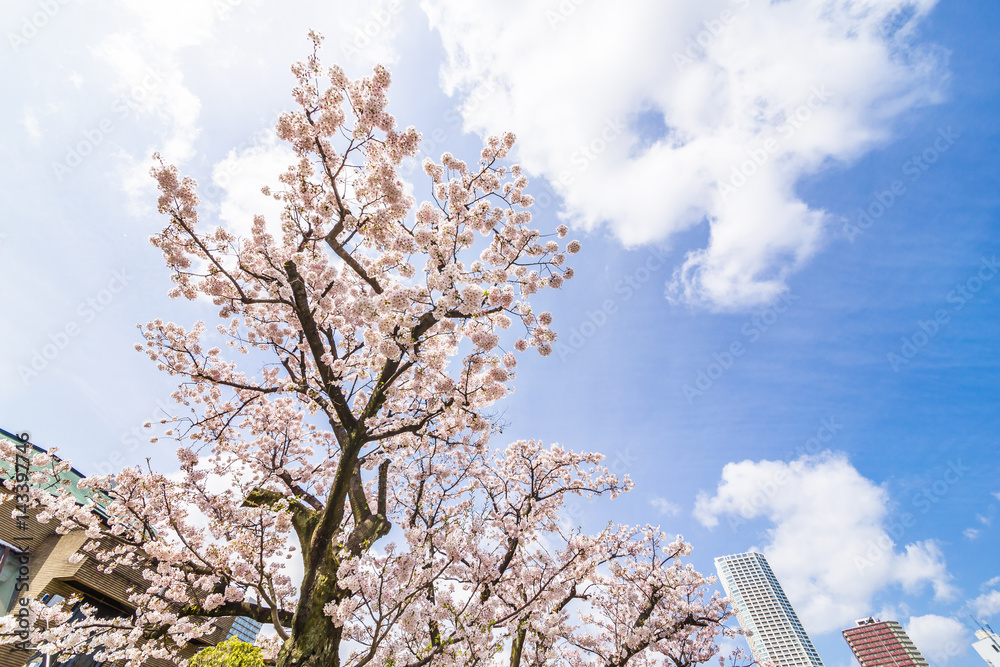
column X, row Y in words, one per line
column 665, row 507
column 986, row 604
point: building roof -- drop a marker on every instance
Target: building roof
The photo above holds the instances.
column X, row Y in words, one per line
column 74, row 476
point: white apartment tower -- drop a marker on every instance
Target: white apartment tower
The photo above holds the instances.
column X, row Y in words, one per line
column 988, row 646
column 776, row 635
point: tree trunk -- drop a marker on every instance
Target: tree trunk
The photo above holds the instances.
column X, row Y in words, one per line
column 317, row 646
column 317, row 643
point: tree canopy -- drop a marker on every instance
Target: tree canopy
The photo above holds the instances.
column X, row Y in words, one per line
column 336, row 474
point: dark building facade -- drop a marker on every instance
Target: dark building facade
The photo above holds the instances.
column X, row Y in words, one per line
column 33, row 552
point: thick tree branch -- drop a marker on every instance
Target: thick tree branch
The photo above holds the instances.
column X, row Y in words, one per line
column 310, row 329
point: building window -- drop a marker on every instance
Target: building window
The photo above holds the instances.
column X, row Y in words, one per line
column 9, row 565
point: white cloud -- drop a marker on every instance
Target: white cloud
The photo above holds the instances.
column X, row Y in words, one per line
column 30, row 123
column 636, row 111
column 366, row 32
column 242, row 174
column 149, row 56
column 986, row 604
column 145, row 56
column 972, row 532
column 893, row 611
column 36, row 120
column 664, row 506
column 830, row 543
column 938, row 638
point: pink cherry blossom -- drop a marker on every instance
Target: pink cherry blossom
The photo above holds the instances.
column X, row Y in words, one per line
column 338, row 415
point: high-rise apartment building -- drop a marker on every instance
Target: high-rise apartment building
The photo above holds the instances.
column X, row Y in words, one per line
column 764, row 613
column 882, row 644
column 988, row 646
column 246, row 629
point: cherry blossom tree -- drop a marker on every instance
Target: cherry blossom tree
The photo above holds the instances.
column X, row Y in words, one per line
column 336, row 474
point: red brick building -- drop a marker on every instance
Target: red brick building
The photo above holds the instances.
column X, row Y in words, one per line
column 882, row 644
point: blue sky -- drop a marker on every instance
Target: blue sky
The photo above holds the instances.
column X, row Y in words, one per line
column 772, row 369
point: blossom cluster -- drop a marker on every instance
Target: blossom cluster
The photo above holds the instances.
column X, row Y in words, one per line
column 336, row 421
